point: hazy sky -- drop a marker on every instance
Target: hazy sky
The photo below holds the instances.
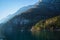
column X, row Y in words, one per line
column 11, row 6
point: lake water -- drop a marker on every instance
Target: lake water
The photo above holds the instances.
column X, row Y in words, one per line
column 39, row 35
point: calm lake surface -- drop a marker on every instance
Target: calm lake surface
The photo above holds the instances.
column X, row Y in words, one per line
column 39, row 35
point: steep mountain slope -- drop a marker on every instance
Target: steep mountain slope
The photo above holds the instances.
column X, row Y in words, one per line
column 21, row 10
column 42, row 11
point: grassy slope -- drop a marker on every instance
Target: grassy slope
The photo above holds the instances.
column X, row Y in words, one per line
column 48, row 24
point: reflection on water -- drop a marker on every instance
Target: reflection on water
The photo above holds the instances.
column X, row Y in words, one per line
column 46, row 35
column 39, row 35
